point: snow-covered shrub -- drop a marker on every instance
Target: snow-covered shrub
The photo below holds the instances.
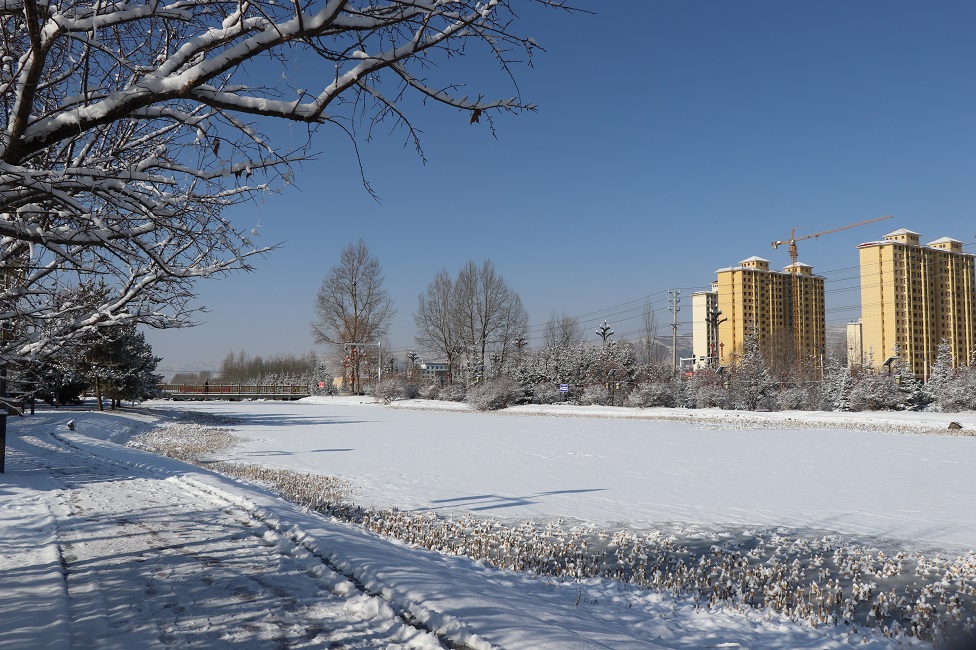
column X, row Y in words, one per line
column 958, row 394
column 795, row 398
column 546, row 393
column 430, row 391
column 452, row 393
column 651, row 394
column 390, row 389
column 493, row 394
column 706, row 396
column 706, row 389
column 595, row 394
column 411, row 390
column 875, row 393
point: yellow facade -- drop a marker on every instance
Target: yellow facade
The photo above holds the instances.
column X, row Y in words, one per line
column 913, row 296
column 786, row 310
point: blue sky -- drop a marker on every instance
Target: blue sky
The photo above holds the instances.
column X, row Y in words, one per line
column 672, row 139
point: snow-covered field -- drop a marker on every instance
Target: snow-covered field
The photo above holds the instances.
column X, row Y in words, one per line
column 114, row 547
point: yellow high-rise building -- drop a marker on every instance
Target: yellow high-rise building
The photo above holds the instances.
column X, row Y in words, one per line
column 752, row 298
column 913, row 296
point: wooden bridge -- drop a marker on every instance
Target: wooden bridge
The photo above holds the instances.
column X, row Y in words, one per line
column 233, row 392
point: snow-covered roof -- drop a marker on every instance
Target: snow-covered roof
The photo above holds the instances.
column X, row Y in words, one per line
column 754, row 258
column 902, row 231
column 945, row 240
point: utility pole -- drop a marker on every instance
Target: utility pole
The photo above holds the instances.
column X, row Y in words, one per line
column 673, row 307
column 605, row 332
column 713, row 322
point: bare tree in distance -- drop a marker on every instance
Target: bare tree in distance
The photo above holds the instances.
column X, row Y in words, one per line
column 352, row 307
column 650, row 350
column 490, row 314
column 129, row 128
column 562, row 331
column 477, row 315
column 436, row 320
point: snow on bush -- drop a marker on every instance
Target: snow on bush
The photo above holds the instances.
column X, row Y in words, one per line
column 391, row 389
column 650, row 394
column 546, row 393
column 431, row 391
column 959, row 394
column 595, row 394
column 494, row 394
column 185, row 441
column 192, row 442
column 313, row 491
column 452, row 393
column 795, row 398
column 875, row 393
column 411, row 390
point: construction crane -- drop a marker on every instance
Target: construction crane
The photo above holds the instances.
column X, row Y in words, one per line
column 793, row 238
column 798, row 328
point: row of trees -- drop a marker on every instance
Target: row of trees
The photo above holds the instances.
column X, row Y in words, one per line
column 241, row 368
column 473, row 316
column 114, row 363
column 473, row 319
column 613, row 374
column 476, row 316
column 128, row 129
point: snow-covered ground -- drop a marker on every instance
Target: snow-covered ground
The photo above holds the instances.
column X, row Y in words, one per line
column 113, row 547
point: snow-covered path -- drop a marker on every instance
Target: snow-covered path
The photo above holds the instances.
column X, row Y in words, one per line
column 151, row 562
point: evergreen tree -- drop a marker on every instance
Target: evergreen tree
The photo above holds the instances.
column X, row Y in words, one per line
column 752, row 385
column 836, row 386
column 942, row 376
column 875, row 392
column 706, row 389
column 117, row 363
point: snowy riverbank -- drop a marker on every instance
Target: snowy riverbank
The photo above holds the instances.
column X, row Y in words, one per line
column 89, row 511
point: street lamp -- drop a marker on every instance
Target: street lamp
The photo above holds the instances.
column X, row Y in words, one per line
column 412, row 356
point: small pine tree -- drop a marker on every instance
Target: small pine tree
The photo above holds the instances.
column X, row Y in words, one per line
column 706, row 389
column 875, row 392
column 836, row 387
column 941, row 378
column 753, row 387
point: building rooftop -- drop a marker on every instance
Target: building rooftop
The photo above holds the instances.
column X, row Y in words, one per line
column 901, row 231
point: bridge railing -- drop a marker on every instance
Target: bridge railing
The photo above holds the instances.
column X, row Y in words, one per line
column 235, row 390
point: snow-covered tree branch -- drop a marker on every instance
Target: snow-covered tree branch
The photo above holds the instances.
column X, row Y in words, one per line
column 129, row 127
